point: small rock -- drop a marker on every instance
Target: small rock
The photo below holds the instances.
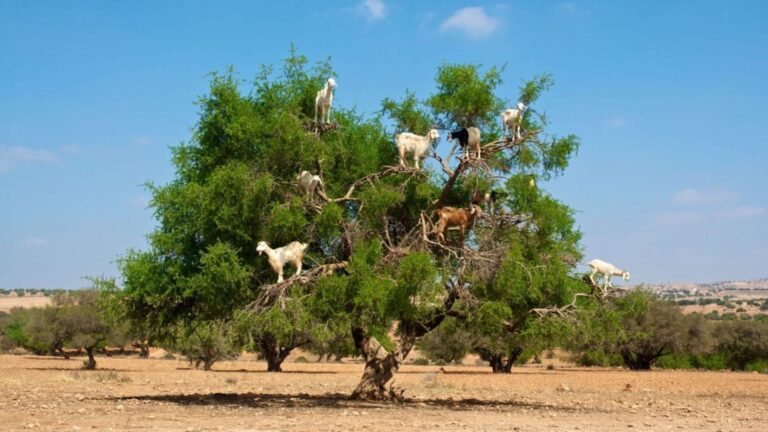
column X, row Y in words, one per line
column 79, row 397
column 563, row 388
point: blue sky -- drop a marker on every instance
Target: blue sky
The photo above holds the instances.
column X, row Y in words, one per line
column 670, row 99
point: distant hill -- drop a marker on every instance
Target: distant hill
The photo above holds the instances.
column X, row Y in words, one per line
column 758, row 286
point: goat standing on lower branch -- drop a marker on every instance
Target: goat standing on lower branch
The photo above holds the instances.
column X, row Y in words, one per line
column 512, row 119
column 309, row 183
column 324, row 101
column 606, row 270
column 411, row 143
column 293, row 252
column 456, row 217
column 469, row 139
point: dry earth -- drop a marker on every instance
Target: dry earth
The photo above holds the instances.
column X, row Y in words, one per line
column 8, row 302
column 126, row 394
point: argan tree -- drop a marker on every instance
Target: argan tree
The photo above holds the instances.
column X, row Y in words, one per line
column 373, row 263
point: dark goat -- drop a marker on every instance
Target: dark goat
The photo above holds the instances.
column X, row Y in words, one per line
column 467, row 137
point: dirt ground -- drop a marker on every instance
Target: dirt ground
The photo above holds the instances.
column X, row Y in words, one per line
column 126, row 394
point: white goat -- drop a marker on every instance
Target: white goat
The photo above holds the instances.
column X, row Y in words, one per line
column 309, row 183
column 606, row 270
column 411, row 143
column 324, row 101
column 293, row 252
column 511, row 120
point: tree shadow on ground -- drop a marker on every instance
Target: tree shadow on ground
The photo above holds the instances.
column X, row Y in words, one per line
column 79, row 369
column 335, row 401
column 262, row 371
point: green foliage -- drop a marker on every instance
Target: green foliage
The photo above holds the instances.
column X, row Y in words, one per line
column 465, row 96
column 742, row 342
column 235, row 185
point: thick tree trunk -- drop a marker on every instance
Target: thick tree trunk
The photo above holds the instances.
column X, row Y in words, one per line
column 63, row 353
column 273, row 354
column 498, row 362
column 89, row 364
column 378, row 380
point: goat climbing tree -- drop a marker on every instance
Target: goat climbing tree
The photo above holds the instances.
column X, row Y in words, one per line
column 375, row 273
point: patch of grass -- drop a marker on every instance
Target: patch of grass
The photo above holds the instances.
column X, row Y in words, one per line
column 99, row 377
column 421, row 362
column 301, row 359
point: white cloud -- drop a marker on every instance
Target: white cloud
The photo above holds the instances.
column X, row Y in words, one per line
column 34, row 241
column 10, row 157
column 742, row 212
column 616, row 122
column 374, row 10
column 472, row 21
column 692, row 196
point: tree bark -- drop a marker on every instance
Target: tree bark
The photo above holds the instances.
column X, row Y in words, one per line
column 378, row 380
column 273, row 354
column 89, row 364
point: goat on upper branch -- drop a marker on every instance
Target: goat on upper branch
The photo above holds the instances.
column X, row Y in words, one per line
column 324, row 101
column 511, row 120
column 411, row 143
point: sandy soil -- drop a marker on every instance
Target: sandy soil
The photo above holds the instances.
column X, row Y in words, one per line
column 165, row 395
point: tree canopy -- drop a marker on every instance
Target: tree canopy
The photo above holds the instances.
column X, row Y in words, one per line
column 372, row 264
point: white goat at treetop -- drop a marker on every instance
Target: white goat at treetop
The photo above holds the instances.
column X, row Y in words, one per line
column 324, row 101
column 293, row 252
column 606, row 270
column 411, row 143
column 511, row 120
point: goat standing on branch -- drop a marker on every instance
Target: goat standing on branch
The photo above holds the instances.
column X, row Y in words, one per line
column 293, row 253
column 606, row 270
column 411, row 143
column 456, row 217
column 512, row 119
column 309, row 183
column 324, row 102
column 469, row 139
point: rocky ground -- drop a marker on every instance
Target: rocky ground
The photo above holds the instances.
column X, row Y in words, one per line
column 41, row 393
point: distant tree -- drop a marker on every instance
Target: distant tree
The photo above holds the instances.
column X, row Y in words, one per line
column 639, row 328
column 206, row 343
column 742, row 342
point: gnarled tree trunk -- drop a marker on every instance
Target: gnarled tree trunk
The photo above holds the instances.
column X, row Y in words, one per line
column 378, row 380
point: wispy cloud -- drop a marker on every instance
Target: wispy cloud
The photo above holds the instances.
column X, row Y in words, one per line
column 738, row 213
column 571, row 8
column 742, row 212
column 72, row 149
column 472, row 21
column 693, row 196
column 677, row 218
column 143, row 140
column 616, row 122
column 373, row 10
column 34, row 241
column 10, row 157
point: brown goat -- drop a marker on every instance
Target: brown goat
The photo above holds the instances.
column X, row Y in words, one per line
column 456, row 217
